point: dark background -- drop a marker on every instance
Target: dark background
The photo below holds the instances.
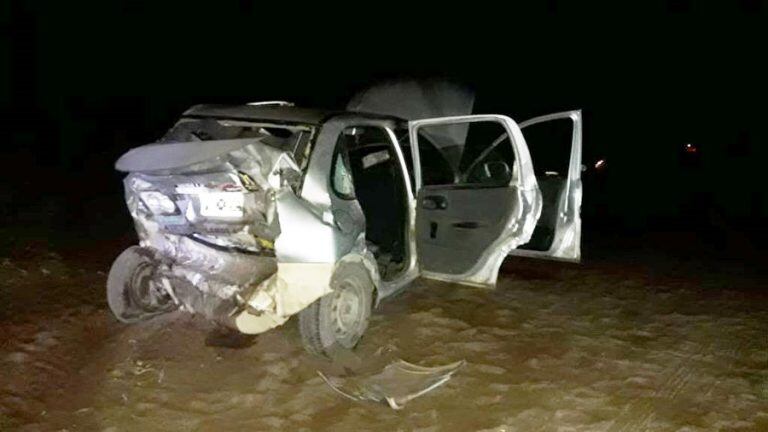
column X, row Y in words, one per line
column 82, row 83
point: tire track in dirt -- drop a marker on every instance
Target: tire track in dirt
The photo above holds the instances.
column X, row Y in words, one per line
column 637, row 416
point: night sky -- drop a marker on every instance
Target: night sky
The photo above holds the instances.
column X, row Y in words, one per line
column 82, row 84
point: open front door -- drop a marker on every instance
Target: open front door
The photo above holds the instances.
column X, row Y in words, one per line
column 554, row 142
column 476, row 198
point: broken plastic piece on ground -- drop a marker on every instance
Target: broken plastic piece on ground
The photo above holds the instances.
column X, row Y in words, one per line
column 398, row 383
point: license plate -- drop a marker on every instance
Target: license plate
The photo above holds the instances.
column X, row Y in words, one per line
column 222, row 204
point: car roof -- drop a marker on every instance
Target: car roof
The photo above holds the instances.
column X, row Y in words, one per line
column 274, row 113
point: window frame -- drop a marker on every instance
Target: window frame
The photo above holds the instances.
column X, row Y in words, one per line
column 345, row 160
column 516, row 140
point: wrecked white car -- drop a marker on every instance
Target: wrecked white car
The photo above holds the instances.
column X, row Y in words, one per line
column 251, row 214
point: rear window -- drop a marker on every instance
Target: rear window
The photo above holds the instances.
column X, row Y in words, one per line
column 293, row 139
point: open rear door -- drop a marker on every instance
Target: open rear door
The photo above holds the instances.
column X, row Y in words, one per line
column 476, row 199
column 554, row 141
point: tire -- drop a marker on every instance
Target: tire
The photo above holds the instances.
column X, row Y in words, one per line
column 338, row 320
column 131, row 296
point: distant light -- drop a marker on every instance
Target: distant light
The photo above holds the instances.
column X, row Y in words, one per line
column 690, row 148
column 600, row 164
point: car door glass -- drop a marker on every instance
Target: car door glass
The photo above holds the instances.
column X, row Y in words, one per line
column 341, row 179
column 550, row 146
column 435, row 168
column 482, row 156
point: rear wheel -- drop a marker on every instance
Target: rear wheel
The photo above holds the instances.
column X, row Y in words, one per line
column 132, row 293
column 338, row 320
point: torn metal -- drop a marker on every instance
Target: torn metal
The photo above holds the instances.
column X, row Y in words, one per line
column 398, row 383
column 214, row 224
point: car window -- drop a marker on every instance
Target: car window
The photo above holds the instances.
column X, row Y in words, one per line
column 370, row 144
column 435, row 169
column 550, row 146
column 293, row 139
column 485, row 157
column 341, row 177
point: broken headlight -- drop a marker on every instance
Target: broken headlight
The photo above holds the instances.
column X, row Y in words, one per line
column 158, row 203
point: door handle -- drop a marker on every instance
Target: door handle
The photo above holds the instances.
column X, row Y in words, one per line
column 434, row 202
column 466, row 225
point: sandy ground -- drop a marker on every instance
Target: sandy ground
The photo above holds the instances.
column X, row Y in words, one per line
column 555, row 348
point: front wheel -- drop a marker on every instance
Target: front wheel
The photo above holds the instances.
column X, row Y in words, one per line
column 132, row 293
column 338, row 320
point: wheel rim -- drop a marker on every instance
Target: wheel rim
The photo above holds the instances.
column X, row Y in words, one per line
column 140, row 286
column 347, row 310
column 143, row 294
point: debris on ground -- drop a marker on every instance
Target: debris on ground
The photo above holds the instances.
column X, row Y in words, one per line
column 398, row 383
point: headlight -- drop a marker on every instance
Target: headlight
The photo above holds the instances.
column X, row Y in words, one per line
column 158, row 203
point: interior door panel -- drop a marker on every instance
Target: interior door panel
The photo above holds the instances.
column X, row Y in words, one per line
column 452, row 238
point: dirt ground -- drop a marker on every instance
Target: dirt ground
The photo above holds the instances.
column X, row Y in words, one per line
column 556, row 347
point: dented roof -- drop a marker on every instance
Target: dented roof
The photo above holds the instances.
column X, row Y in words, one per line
column 272, row 113
column 287, row 114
